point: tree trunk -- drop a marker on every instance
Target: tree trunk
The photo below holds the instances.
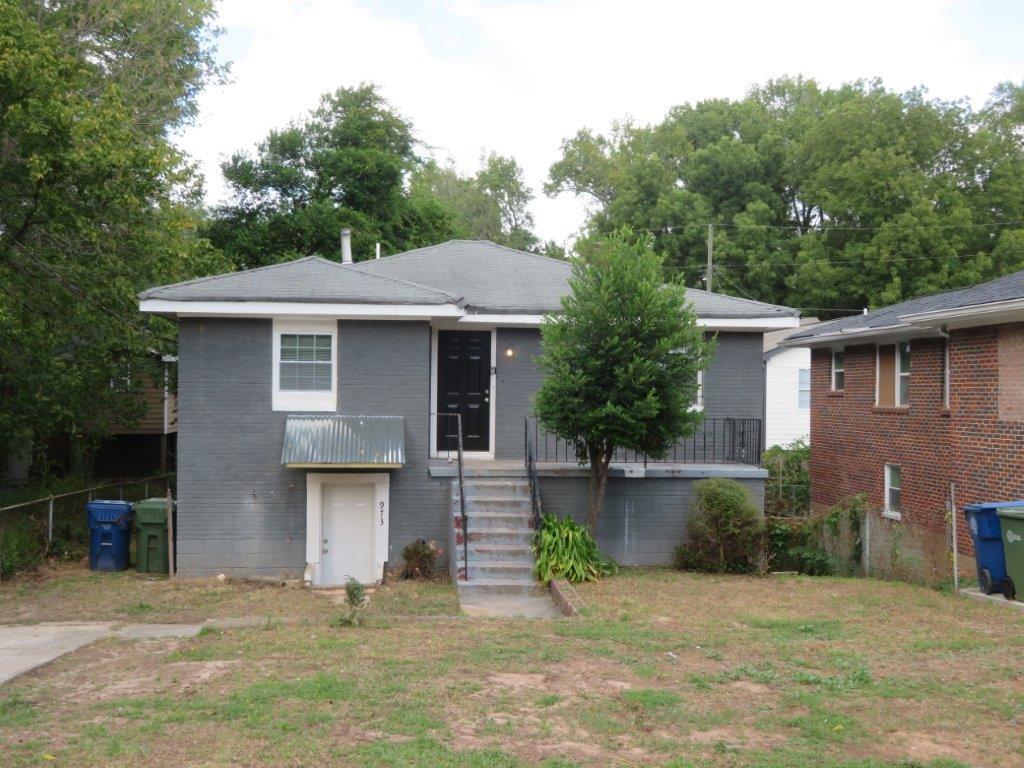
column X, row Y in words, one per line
column 600, row 458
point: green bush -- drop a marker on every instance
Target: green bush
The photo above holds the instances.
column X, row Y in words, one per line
column 788, row 488
column 563, row 548
column 725, row 533
column 419, row 557
column 793, row 546
column 355, row 602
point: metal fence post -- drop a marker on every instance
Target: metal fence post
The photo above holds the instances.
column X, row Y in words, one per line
column 49, row 527
column 145, row 490
column 956, row 554
column 867, row 543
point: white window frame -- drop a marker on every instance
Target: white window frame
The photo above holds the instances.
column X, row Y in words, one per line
column 800, row 389
column 899, row 374
column 841, row 351
column 887, row 510
column 698, row 398
column 297, row 400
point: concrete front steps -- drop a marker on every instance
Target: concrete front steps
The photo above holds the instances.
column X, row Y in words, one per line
column 499, row 524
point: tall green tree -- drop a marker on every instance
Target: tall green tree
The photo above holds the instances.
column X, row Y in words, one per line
column 493, row 204
column 95, row 201
column 346, row 165
column 620, row 362
column 843, row 197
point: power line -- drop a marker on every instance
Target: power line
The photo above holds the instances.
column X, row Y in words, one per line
column 811, row 229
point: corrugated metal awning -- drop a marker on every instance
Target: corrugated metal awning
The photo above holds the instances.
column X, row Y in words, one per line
column 344, row 441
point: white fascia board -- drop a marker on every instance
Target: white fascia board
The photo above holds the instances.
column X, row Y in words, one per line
column 747, row 323
column 504, row 321
column 973, row 315
column 298, row 309
column 862, row 335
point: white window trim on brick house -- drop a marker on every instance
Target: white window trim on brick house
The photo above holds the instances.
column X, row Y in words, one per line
column 887, row 508
column 304, row 400
column 834, row 370
column 803, row 376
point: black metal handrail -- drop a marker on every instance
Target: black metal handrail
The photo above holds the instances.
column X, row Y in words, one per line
column 462, row 485
column 714, row 441
column 531, row 474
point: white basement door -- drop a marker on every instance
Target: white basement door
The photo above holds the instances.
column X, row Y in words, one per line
column 347, row 533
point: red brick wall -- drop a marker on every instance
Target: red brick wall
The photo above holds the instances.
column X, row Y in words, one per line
column 852, row 440
column 969, row 445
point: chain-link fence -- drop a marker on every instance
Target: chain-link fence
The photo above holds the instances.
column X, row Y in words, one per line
column 55, row 526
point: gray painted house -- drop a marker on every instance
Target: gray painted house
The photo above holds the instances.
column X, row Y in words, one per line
column 310, row 441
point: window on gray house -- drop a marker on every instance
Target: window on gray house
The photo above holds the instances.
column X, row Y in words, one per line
column 305, row 363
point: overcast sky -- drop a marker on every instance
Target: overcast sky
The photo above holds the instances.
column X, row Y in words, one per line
column 519, row 77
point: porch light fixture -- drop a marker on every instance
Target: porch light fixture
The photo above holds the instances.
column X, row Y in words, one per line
column 510, row 352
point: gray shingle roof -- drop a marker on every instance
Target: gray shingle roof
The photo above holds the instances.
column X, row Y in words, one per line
column 479, row 274
column 311, row 279
column 1004, row 288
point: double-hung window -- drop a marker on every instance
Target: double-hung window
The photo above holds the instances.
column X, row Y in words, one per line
column 698, row 398
column 304, row 360
column 903, row 373
column 803, row 397
column 838, row 370
column 893, row 491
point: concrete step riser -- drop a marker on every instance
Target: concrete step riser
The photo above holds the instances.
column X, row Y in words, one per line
column 519, row 523
column 489, row 556
column 491, row 506
column 470, row 589
column 496, row 490
column 497, row 537
column 503, row 571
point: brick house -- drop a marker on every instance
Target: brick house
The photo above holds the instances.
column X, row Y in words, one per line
column 912, row 398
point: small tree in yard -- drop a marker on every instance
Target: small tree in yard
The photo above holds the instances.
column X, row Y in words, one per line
column 620, row 363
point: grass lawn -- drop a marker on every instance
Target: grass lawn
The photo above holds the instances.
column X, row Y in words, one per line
column 664, row 669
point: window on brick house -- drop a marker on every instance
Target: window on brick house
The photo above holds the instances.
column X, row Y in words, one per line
column 304, row 365
column 838, row 370
column 803, row 388
column 892, row 374
column 893, row 491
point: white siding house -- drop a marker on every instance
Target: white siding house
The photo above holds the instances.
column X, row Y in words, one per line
column 787, row 390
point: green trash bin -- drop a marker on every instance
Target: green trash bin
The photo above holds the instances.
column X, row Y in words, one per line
column 151, row 536
column 1011, row 522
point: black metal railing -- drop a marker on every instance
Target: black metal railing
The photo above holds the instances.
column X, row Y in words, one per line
column 446, row 419
column 715, row 441
column 531, row 474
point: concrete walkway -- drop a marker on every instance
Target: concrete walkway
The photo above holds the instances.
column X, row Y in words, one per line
column 976, row 594
column 23, row 647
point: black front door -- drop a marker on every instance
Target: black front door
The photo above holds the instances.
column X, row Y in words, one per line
column 464, row 386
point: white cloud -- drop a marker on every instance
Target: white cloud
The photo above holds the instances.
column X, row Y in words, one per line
column 518, row 77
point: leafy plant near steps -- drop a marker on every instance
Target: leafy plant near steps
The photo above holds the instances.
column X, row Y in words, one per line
column 563, row 548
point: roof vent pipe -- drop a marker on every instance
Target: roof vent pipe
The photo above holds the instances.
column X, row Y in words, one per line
column 346, row 246
column 378, row 251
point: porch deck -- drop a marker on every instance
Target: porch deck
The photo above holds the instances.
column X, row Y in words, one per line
column 516, row 468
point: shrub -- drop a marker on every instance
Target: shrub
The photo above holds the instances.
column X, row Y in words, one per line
column 788, row 488
column 419, row 557
column 563, row 548
column 355, row 602
column 725, row 532
column 793, row 546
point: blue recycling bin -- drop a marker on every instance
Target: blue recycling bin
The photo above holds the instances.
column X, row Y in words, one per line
column 983, row 523
column 110, row 530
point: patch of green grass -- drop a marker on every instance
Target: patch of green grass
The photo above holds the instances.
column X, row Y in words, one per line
column 428, row 753
column 763, row 672
column 138, row 609
column 647, row 699
column 797, row 629
column 547, row 700
column 16, row 710
column 844, row 683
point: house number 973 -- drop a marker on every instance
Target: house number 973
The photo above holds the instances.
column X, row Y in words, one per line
column 382, row 513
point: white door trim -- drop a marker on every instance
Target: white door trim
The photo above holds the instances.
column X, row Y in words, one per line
column 315, row 482
column 488, row 454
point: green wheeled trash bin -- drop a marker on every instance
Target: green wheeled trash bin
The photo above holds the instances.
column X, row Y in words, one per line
column 151, row 536
column 1011, row 521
